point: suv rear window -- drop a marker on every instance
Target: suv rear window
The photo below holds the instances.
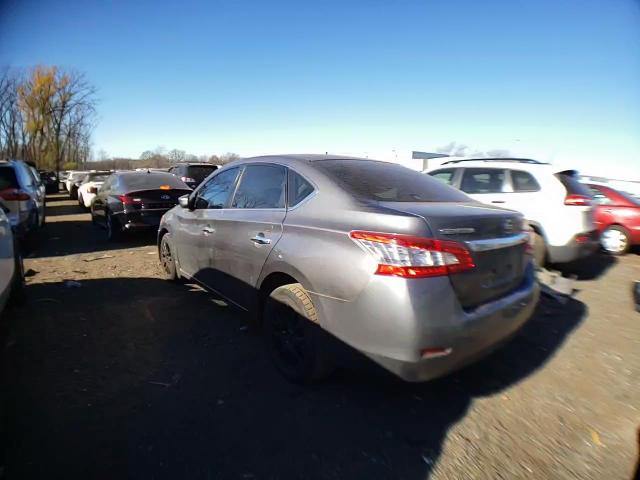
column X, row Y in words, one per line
column 150, row 181
column 572, row 185
column 388, row 182
column 8, row 178
column 200, row 172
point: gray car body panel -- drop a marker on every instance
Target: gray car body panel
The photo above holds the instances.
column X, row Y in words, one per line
column 390, row 319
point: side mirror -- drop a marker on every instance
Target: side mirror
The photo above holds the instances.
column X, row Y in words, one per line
column 183, row 201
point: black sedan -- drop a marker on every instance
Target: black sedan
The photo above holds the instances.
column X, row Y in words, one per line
column 130, row 201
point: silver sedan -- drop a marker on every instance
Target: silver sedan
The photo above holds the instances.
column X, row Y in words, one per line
column 410, row 272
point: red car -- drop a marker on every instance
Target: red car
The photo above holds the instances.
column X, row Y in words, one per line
column 617, row 217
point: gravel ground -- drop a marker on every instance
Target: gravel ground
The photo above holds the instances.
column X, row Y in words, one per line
column 123, row 375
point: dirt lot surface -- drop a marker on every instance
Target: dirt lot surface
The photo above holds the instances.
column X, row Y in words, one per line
column 124, row 375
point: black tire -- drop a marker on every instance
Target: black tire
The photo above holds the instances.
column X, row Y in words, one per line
column 539, row 250
column 623, row 240
column 18, row 294
column 113, row 229
column 73, row 193
column 293, row 335
column 80, row 201
column 167, row 259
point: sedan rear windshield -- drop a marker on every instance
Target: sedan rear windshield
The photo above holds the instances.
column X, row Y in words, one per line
column 200, row 172
column 8, row 178
column 388, row 182
column 151, row 181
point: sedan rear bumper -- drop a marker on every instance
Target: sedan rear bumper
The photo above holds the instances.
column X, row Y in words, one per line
column 394, row 324
column 486, row 329
column 141, row 220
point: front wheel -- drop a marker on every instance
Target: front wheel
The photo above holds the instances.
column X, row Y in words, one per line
column 167, row 259
column 615, row 240
column 293, row 335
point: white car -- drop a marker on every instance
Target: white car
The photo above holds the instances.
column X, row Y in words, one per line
column 89, row 187
column 11, row 269
column 557, row 206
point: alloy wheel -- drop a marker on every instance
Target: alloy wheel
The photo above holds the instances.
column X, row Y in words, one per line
column 614, row 240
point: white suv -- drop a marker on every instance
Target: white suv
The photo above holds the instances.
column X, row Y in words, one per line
column 557, row 206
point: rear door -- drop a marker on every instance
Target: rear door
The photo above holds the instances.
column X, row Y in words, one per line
column 524, row 195
column 487, row 185
column 247, row 232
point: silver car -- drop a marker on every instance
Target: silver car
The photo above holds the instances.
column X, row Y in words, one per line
column 23, row 196
column 407, row 270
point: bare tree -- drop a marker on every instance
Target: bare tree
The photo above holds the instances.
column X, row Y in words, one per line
column 176, row 155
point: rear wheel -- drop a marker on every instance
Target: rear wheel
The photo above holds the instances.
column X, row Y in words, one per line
column 167, row 259
column 17, row 283
column 293, row 335
column 113, row 229
column 615, row 240
column 539, row 250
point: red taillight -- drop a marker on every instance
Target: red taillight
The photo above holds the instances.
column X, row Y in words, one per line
column 409, row 256
column 14, row 195
column 582, row 238
column 577, row 200
column 127, row 200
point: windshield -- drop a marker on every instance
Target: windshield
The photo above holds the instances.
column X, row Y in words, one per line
column 388, row 182
column 96, row 177
column 151, row 181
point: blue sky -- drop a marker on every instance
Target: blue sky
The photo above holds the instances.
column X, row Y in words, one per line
column 557, row 80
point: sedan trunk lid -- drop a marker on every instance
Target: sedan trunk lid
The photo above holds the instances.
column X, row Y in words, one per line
column 494, row 237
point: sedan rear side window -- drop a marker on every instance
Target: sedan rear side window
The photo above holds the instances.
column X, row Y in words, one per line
column 388, row 182
column 261, row 186
column 524, row 182
column 215, row 193
column 482, row 180
column 299, row 188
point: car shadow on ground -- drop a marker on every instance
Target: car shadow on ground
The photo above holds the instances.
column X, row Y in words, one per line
column 142, row 378
column 79, row 237
column 589, row 268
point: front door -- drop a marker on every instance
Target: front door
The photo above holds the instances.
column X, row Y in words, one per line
column 196, row 235
column 246, row 232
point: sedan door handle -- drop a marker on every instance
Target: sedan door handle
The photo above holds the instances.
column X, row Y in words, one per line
column 497, row 201
column 208, row 230
column 261, row 240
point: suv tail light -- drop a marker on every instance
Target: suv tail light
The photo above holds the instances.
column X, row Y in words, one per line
column 577, row 199
column 409, row 256
column 127, row 200
column 188, row 179
column 14, row 195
